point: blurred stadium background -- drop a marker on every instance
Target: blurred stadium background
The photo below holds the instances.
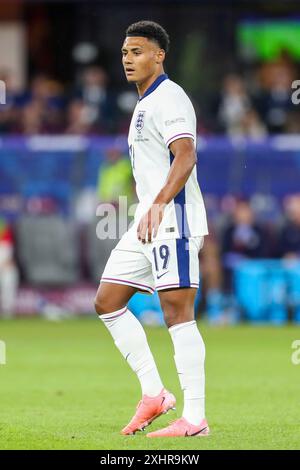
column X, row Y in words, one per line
column 63, row 152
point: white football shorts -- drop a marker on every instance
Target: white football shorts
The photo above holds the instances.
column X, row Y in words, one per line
column 159, row 265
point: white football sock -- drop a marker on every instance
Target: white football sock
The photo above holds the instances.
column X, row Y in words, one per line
column 189, row 359
column 130, row 339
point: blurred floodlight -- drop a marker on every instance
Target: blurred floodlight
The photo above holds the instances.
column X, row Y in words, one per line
column 85, row 52
column 127, row 101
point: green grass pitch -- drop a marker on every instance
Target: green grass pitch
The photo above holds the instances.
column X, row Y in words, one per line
column 65, row 386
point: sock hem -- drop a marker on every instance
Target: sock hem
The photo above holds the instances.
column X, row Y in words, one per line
column 178, row 326
column 113, row 315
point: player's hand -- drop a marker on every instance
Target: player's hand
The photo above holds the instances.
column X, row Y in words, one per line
column 150, row 222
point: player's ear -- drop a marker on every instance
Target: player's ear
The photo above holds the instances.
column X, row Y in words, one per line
column 160, row 56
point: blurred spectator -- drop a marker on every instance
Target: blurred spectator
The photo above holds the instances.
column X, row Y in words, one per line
column 78, row 121
column 243, row 238
column 115, row 178
column 41, row 108
column 293, row 122
column 94, row 108
column 251, row 125
column 234, row 104
column 274, row 99
column 289, row 239
column 8, row 271
column 115, row 181
column 32, row 116
column 8, row 114
column 98, row 100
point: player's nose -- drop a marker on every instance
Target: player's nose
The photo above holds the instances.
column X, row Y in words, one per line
column 128, row 62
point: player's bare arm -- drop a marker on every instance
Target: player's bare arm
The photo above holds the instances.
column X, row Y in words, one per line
column 184, row 160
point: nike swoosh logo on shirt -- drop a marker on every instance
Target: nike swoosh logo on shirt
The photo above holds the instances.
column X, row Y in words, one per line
column 158, row 277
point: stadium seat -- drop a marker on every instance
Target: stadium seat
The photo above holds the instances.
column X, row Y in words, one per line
column 292, row 269
column 261, row 290
column 97, row 251
column 48, row 250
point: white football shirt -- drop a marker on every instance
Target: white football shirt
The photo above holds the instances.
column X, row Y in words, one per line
column 162, row 115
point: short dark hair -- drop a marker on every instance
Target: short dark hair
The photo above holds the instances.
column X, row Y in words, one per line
column 150, row 30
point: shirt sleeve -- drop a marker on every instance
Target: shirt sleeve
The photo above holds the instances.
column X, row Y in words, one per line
column 175, row 118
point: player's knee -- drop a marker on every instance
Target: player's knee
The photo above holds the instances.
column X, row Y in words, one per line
column 169, row 306
column 175, row 313
column 171, row 318
column 104, row 303
column 101, row 305
column 171, row 314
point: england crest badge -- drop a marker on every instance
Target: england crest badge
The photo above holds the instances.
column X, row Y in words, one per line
column 139, row 123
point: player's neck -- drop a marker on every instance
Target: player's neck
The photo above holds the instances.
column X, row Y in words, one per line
column 143, row 87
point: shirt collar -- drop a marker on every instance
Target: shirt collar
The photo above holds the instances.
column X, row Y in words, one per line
column 154, row 85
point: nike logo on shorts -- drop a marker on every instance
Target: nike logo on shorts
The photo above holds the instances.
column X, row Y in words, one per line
column 158, row 277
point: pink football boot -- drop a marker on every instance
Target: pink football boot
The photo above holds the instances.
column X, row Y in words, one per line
column 182, row 428
column 148, row 409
